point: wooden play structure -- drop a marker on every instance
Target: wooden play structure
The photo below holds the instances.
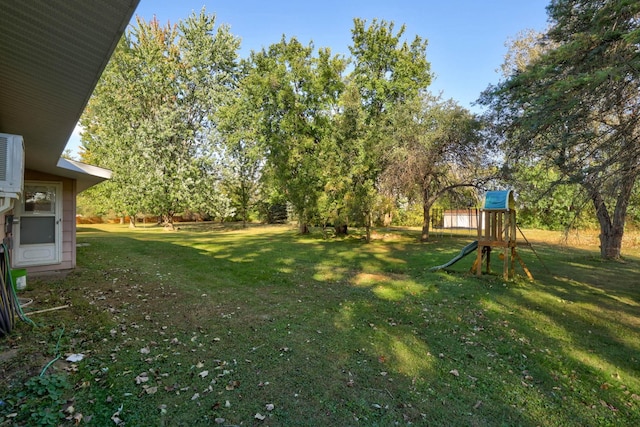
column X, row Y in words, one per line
column 497, row 231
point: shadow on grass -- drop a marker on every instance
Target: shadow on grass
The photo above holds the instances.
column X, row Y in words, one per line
column 347, row 332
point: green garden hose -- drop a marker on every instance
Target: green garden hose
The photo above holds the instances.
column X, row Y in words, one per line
column 7, row 317
column 9, row 302
column 57, row 354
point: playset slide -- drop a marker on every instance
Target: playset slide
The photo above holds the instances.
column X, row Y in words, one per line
column 471, row 247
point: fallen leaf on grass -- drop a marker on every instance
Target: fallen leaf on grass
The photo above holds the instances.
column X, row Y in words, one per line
column 203, row 374
column 270, row 406
column 116, row 416
column 454, row 372
column 608, row 405
column 232, row 385
column 259, row 416
column 77, row 418
column 150, row 390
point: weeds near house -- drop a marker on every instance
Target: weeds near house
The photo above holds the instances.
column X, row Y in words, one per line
column 265, row 327
column 43, row 399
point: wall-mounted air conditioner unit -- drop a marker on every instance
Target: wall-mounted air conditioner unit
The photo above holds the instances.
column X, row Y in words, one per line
column 11, row 165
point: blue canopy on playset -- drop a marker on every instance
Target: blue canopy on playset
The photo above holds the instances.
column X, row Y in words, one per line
column 498, row 200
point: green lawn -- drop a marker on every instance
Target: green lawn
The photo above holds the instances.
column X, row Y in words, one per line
column 265, row 327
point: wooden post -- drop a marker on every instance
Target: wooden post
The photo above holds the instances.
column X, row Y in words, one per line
column 492, row 234
column 505, row 264
column 524, row 267
column 478, row 263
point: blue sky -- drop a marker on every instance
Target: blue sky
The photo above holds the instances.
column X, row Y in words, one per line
column 465, row 37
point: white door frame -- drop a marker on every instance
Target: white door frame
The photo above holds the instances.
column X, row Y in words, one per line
column 49, row 250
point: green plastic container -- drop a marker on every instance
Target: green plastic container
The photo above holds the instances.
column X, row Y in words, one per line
column 19, row 276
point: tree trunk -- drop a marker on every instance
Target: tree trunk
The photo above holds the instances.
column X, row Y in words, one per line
column 341, row 230
column 132, row 221
column 167, row 221
column 303, row 225
column 612, row 229
column 244, row 200
column 387, row 219
column 427, row 202
column 610, row 242
column 426, row 219
column 367, row 221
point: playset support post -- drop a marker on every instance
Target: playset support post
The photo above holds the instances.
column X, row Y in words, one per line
column 497, row 230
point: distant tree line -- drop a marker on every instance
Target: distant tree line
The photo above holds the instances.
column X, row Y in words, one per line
column 185, row 124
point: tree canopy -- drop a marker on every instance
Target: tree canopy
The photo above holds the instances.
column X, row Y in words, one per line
column 149, row 119
column 575, row 107
column 290, row 92
column 185, row 125
column 439, row 148
column 324, row 133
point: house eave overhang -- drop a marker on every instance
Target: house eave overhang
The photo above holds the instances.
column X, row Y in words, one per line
column 52, row 54
column 85, row 175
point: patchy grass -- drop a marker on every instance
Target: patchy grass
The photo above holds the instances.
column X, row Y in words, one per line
column 264, row 327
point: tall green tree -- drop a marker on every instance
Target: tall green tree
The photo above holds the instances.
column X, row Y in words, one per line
column 241, row 153
column 293, row 91
column 545, row 199
column 242, row 158
column 340, row 201
column 576, row 107
column 150, row 118
column 439, row 149
column 387, row 72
